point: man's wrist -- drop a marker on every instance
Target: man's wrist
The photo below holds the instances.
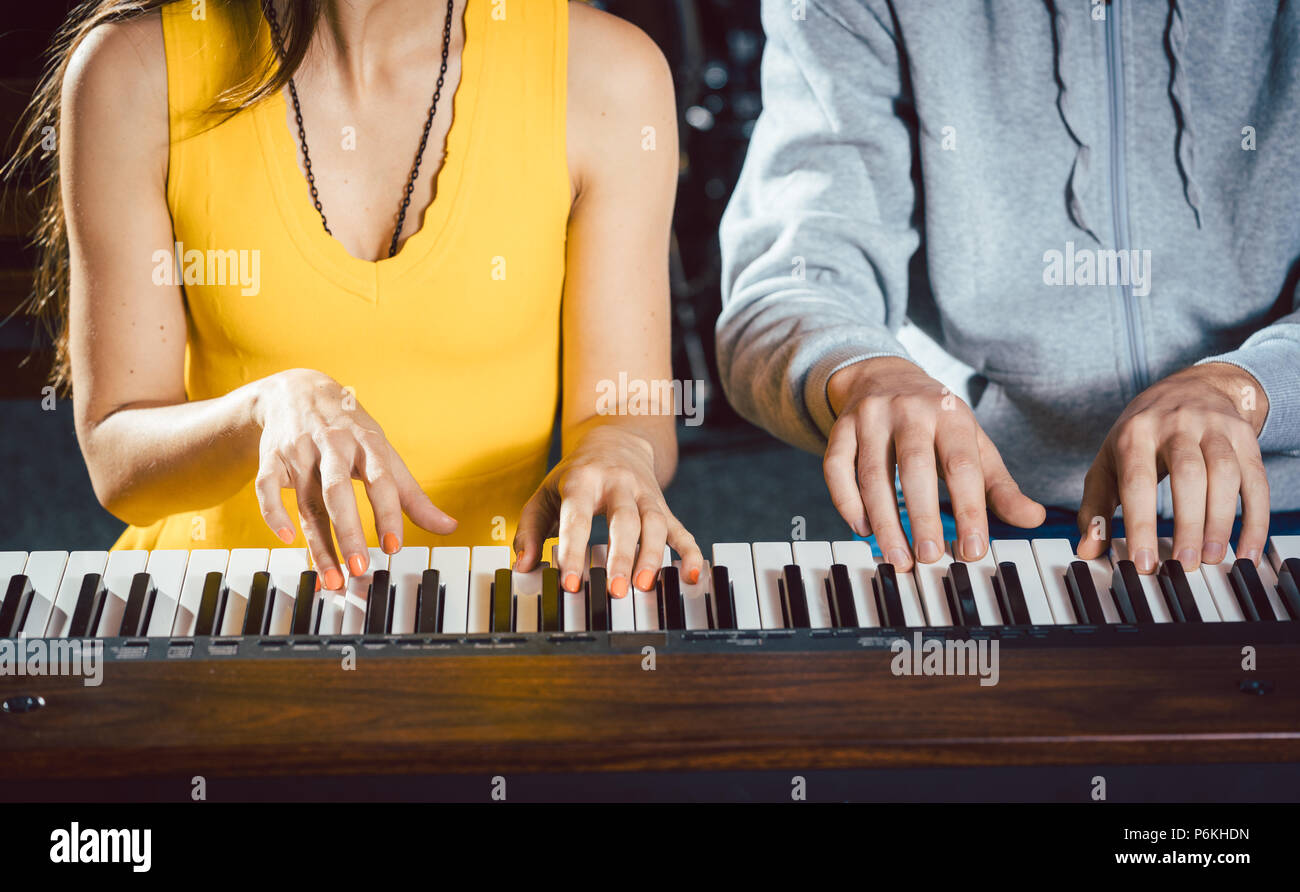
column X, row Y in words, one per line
column 1241, row 388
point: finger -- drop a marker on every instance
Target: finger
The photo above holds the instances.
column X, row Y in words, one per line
column 337, row 458
column 381, row 490
column 650, row 555
column 1223, row 483
column 1185, row 462
column 1254, row 502
column 576, row 512
column 416, row 503
column 682, row 542
column 624, row 532
column 914, row 448
column 1097, row 510
column 536, row 523
column 272, row 480
column 316, row 529
column 841, row 477
column 1003, row 495
column 876, row 483
column 1135, row 464
column 958, row 452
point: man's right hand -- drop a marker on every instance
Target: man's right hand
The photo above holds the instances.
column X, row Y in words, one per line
column 891, row 414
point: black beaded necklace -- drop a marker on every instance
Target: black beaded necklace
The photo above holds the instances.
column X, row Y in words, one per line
column 424, row 137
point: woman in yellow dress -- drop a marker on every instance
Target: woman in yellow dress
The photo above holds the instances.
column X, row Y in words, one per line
column 309, row 257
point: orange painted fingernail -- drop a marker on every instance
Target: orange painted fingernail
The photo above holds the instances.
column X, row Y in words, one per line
column 572, row 582
column 285, row 534
column 695, row 576
column 357, row 564
column 391, row 545
column 645, row 579
column 333, row 579
column 618, row 586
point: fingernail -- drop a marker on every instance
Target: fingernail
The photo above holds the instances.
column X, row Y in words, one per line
column 618, row 586
column 333, row 579
column 285, row 534
column 572, row 583
column 694, row 576
column 897, row 556
column 927, row 552
column 1252, row 555
column 1188, row 558
column 391, row 545
column 1213, row 552
column 860, row 528
column 645, row 580
column 1145, row 560
column 357, row 564
column 972, row 547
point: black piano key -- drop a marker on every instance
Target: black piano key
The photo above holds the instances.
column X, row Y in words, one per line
column 552, row 613
column 796, row 598
column 1083, row 594
column 379, row 604
column 1015, row 612
column 1178, row 594
column 1288, row 586
column 597, row 601
column 1126, row 586
column 503, row 602
column 17, row 603
column 90, row 606
column 844, row 612
column 139, row 606
column 888, row 601
column 961, row 597
column 204, row 622
column 261, row 603
column 670, row 599
column 429, row 604
column 1249, row 589
column 304, row 603
column 724, row 607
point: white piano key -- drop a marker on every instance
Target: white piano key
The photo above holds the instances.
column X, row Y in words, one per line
column 45, row 570
column 1218, row 580
column 929, row 580
column 982, row 573
column 910, row 596
column 1195, row 581
column 329, row 610
column 202, row 562
column 738, row 559
column 1054, row 557
column 645, row 604
column 1279, row 549
column 80, row 565
column 118, row 575
column 356, row 593
column 814, row 560
column 1268, row 577
column 1150, row 586
column 484, row 562
column 286, row 566
column 770, row 560
column 244, row 562
column 622, row 611
column 1021, row 553
column 11, row 564
column 573, row 605
column 452, row 563
column 856, row 557
column 695, row 598
column 526, row 588
column 407, row 569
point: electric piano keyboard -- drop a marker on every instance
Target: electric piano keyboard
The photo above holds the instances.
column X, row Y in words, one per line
column 781, row 656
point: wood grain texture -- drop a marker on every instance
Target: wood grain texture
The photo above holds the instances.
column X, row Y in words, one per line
column 502, row 713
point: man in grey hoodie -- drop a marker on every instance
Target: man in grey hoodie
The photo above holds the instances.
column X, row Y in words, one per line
column 1094, row 205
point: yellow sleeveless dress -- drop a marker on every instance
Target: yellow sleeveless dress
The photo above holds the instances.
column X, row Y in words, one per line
column 453, row 345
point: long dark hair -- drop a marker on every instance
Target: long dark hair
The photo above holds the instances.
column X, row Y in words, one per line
column 49, row 297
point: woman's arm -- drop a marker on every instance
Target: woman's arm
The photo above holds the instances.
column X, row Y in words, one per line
column 623, row 159
column 149, row 451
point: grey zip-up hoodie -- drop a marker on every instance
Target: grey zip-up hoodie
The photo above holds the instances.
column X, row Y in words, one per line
column 991, row 171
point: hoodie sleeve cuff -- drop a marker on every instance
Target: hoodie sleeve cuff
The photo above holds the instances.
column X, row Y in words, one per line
column 816, row 399
column 1275, row 364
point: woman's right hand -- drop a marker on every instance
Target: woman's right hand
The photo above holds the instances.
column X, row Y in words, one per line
column 316, row 438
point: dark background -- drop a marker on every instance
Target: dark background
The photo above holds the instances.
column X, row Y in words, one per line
column 734, row 482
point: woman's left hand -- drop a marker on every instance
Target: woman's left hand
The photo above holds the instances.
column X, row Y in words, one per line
column 609, row 471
